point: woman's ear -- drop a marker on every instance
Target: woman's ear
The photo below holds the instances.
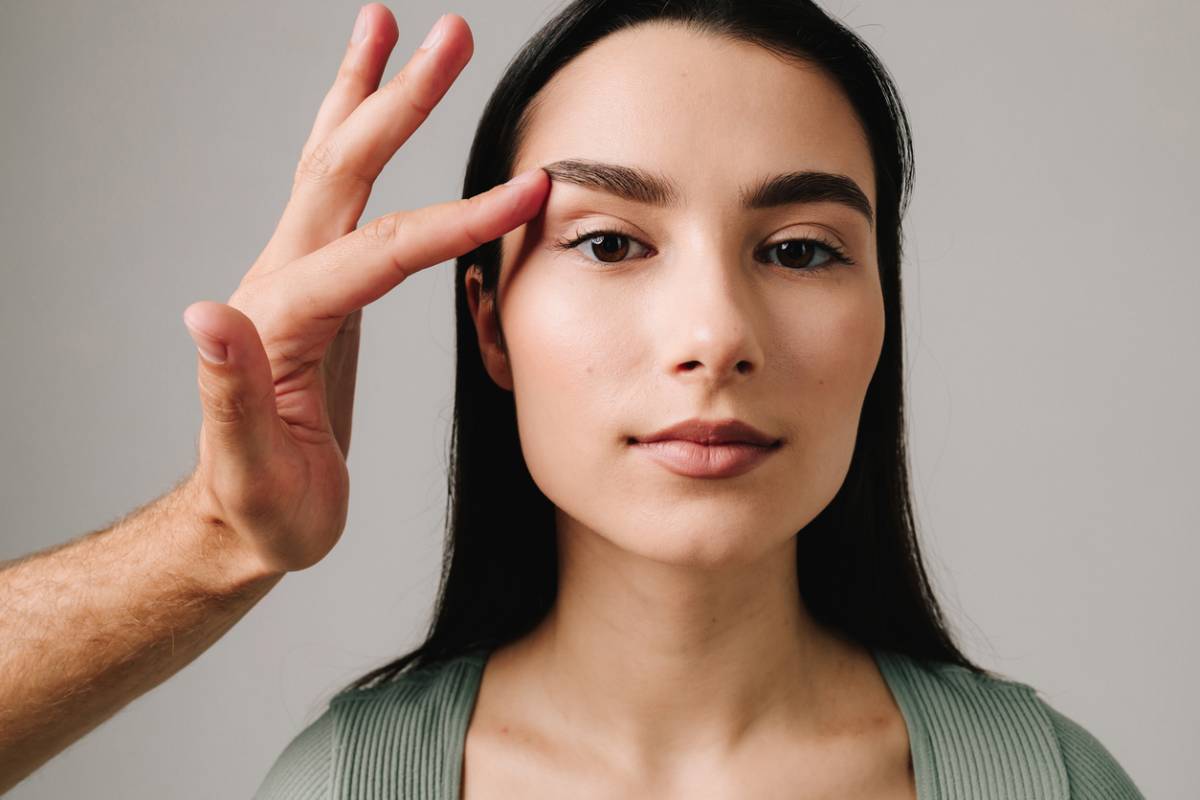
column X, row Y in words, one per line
column 487, row 329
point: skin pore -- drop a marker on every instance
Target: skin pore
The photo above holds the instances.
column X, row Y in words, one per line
column 679, row 660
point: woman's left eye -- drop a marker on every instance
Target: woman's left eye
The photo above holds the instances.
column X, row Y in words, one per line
column 797, row 254
column 793, row 254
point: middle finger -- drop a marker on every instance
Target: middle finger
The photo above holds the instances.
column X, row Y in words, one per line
column 334, row 180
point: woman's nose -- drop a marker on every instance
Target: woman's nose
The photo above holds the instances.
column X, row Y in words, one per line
column 709, row 322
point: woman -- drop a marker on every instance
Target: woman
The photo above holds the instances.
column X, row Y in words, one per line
column 681, row 556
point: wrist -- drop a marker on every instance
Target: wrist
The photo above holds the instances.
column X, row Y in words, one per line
column 221, row 561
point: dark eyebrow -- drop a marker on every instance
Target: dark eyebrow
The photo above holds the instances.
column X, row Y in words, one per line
column 641, row 186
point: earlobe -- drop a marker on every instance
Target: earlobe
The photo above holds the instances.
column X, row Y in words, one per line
column 487, row 329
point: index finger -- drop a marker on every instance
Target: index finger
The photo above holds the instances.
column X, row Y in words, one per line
column 365, row 264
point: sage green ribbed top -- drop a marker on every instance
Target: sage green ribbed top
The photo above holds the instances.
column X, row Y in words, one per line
column 971, row 737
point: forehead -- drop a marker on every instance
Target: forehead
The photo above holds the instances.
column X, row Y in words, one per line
column 708, row 111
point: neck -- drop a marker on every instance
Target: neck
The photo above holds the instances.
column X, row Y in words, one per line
column 653, row 664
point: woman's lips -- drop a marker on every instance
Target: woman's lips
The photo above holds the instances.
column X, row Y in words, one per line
column 695, row 460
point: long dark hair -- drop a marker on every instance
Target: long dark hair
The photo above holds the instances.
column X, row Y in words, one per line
column 860, row 569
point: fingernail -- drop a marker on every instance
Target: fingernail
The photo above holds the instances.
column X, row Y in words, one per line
column 211, row 350
column 360, row 27
column 434, row 36
column 526, row 178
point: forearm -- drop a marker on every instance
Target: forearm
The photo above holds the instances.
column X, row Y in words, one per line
column 88, row 626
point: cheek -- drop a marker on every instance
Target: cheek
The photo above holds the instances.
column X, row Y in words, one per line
column 835, row 342
column 833, row 347
column 572, row 352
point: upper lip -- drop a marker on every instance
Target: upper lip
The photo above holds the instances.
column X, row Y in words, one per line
column 722, row 431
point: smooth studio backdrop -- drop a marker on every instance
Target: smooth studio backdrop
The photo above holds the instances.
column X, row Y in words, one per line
column 147, row 150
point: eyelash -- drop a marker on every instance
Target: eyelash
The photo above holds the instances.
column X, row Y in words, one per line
column 838, row 255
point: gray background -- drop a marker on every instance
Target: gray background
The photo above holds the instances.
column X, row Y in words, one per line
column 147, row 149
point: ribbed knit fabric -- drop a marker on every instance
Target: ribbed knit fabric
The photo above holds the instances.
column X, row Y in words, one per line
column 971, row 738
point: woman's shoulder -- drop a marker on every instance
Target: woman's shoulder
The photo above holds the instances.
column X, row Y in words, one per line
column 304, row 770
column 1091, row 769
column 420, row 713
column 447, row 680
column 1031, row 748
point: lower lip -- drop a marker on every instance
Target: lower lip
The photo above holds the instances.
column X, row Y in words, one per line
column 694, row 460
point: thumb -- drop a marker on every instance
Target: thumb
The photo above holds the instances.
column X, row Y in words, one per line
column 237, row 390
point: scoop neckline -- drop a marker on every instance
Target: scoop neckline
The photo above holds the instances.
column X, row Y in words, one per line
column 891, row 665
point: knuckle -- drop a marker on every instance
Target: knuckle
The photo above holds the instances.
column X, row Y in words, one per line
column 222, row 406
column 352, row 74
column 411, row 93
column 422, row 108
column 384, row 230
column 326, row 163
column 469, row 226
column 317, row 164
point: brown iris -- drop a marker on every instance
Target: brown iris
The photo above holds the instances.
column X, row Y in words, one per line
column 604, row 245
column 796, row 254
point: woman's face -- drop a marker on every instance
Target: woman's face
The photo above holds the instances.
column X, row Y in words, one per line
column 689, row 308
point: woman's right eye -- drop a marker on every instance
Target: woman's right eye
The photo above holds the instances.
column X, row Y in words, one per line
column 605, row 245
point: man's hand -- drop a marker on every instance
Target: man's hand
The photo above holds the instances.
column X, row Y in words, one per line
column 90, row 625
column 277, row 410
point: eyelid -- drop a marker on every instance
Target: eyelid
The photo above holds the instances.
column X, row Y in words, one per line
column 834, row 243
column 826, row 233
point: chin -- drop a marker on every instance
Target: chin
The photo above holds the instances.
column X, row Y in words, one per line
column 692, row 537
